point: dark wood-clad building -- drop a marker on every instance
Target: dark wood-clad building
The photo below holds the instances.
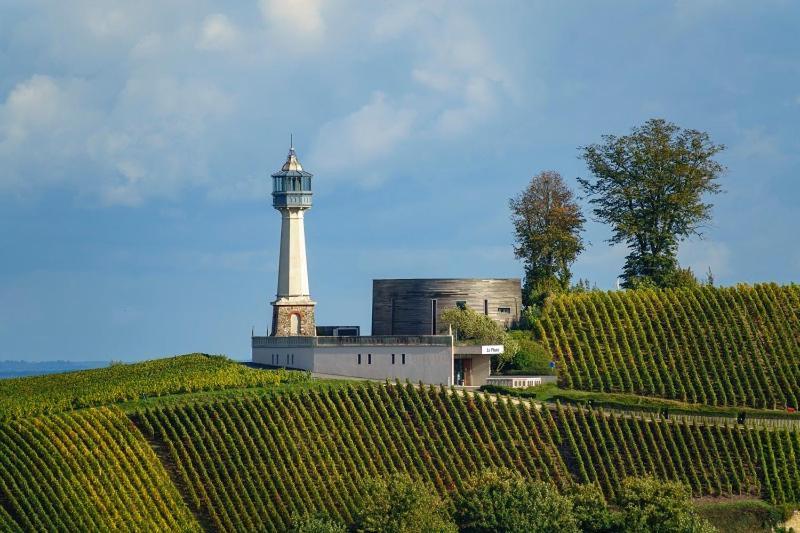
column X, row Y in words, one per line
column 414, row 306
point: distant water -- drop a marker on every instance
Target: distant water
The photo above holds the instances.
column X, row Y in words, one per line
column 17, row 369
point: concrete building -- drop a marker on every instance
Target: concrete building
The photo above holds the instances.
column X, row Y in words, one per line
column 407, row 343
column 426, row 358
column 415, row 306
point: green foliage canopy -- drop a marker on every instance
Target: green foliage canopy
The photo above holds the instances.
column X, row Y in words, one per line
column 649, row 505
column 316, row 523
column 650, row 187
column 502, row 500
column 531, row 357
column 397, row 504
column 470, row 325
column 591, row 509
column 547, row 229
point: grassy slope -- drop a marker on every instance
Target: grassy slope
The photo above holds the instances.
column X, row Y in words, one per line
column 551, row 392
column 126, row 382
column 743, row 516
column 235, row 393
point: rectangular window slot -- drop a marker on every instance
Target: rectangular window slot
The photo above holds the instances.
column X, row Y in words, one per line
column 504, row 310
column 433, row 317
column 359, row 359
column 392, row 358
column 403, row 358
column 486, row 307
column 369, row 358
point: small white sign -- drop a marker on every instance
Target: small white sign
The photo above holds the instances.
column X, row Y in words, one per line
column 492, row 350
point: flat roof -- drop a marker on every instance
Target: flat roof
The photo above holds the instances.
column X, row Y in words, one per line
column 364, row 340
column 446, row 279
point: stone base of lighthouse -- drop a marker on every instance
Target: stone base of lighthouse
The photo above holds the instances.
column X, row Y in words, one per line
column 293, row 319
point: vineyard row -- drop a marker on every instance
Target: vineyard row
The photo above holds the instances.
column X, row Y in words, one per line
column 737, row 346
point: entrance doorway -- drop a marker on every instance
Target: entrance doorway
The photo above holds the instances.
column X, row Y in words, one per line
column 462, row 370
column 294, row 324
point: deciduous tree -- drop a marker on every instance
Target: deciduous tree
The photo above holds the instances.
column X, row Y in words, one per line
column 472, row 326
column 649, row 505
column 502, row 500
column 651, row 186
column 547, row 229
column 397, row 504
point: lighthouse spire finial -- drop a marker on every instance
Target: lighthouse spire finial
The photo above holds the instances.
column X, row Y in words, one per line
column 291, row 160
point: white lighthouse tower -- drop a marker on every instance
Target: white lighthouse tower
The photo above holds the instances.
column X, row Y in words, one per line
column 293, row 309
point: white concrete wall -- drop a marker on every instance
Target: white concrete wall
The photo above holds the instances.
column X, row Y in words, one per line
column 429, row 364
column 303, row 356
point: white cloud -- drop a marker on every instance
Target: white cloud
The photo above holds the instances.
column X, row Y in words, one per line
column 35, row 106
column 479, row 101
column 233, row 189
column 303, row 17
column 153, row 143
column 756, row 143
column 367, row 134
column 434, row 79
column 146, row 110
column 107, row 21
column 702, row 254
column 601, row 264
column 419, row 261
column 147, row 47
column 149, row 142
column 456, row 62
column 43, row 126
column 218, row 33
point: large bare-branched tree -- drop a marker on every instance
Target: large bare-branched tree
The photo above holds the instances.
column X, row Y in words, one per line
column 651, row 187
column 547, row 227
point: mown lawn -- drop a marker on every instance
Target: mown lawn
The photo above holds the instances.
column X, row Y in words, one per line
column 551, row 393
column 742, row 516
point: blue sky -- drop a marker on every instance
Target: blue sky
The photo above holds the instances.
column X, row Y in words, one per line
column 136, row 140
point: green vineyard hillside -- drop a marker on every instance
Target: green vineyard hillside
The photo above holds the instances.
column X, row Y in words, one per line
column 124, row 382
column 331, row 440
column 737, row 346
column 250, row 462
column 88, row 471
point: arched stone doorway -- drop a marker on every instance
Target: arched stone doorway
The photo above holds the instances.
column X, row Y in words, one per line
column 295, row 324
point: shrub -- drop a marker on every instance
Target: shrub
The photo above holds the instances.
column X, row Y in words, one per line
column 591, row 509
column 531, row 357
column 398, row 504
column 502, row 500
column 652, row 506
column 311, row 523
